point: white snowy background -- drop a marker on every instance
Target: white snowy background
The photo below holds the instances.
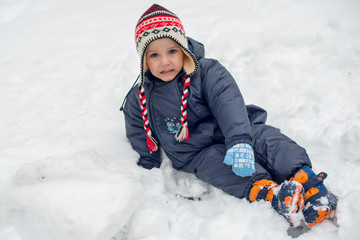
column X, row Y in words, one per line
column 67, row 171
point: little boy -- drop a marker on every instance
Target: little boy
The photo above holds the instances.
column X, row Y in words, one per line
column 192, row 107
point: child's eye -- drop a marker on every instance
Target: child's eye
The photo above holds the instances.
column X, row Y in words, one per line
column 172, row 51
column 154, row 55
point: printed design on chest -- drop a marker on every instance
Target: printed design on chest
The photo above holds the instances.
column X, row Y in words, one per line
column 172, row 124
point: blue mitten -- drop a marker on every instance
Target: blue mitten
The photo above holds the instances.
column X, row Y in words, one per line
column 241, row 157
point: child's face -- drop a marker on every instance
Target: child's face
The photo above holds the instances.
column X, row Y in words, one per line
column 164, row 58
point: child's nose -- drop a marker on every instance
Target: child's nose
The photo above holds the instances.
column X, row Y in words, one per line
column 165, row 60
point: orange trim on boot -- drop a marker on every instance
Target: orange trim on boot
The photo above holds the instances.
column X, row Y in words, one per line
column 259, row 185
column 323, row 215
column 297, row 199
column 311, row 193
column 301, row 177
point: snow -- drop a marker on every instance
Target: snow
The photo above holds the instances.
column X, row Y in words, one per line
column 67, row 170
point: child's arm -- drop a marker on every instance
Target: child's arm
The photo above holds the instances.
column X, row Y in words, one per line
column 228, row 107
column 226, row 104
column 136, row 134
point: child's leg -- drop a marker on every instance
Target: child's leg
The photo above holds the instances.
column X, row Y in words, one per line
column 277, row 153
column 209, row 167
column 285, row 160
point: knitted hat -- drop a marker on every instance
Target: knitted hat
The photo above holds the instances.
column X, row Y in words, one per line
column 158, row 22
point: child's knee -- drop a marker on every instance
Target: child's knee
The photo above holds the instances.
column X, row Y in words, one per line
column 277, row 153
column 210, row 158
column 211, row 169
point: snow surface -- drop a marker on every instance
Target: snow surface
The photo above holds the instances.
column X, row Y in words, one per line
column 67, row 171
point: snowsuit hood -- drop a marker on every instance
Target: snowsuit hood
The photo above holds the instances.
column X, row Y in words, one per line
column 197, row 48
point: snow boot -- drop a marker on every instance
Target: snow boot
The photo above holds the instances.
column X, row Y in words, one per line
column 287, row 199
column 319, row 202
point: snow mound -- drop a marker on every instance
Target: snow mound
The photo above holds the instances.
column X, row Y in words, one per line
column 73, row 198
column 348, row 216
column 237, row 222
column 10, row 10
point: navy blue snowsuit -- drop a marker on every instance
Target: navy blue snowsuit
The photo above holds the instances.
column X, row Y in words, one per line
column 218, row 119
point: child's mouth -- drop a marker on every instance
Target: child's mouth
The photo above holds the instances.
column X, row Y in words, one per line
column 166, row 71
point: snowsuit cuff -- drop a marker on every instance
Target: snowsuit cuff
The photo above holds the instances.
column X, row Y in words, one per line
column 237, row 139
column 148, row 164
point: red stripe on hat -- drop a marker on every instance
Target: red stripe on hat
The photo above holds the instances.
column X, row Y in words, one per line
column 157, row 22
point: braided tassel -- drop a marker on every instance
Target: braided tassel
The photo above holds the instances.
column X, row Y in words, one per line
column 183, row 131
column 151, row 142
